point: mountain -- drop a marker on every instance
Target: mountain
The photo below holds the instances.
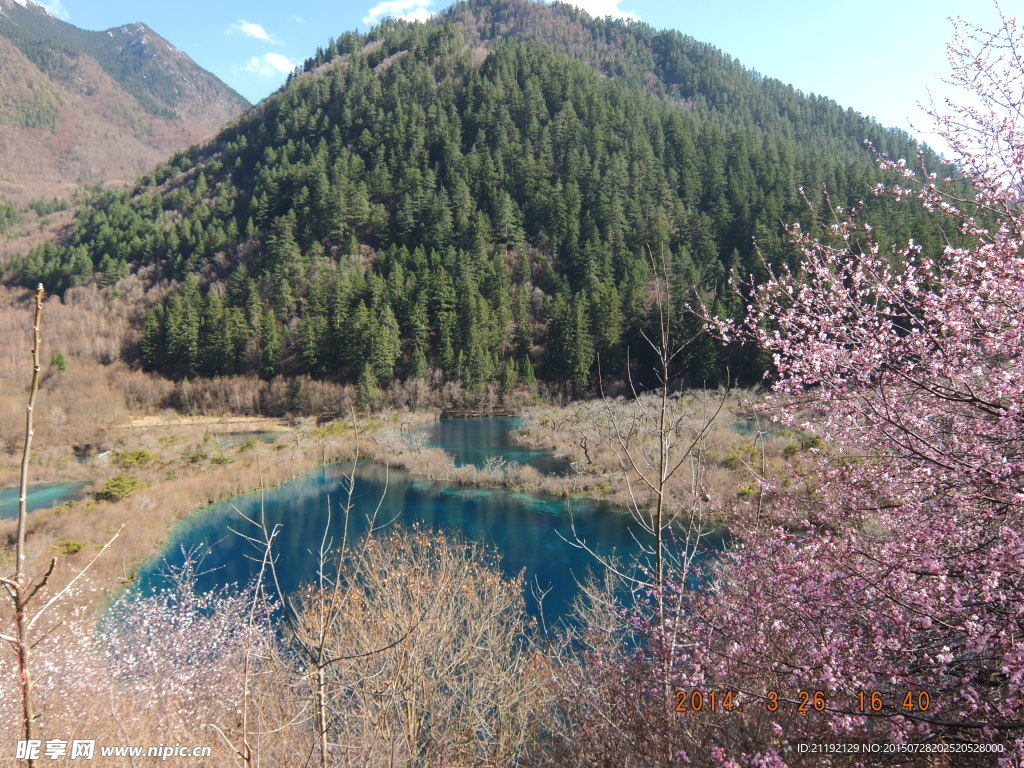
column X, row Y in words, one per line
column 479, row 200
column 80, row 107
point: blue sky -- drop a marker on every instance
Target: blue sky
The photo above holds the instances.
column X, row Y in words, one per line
column 878, row 56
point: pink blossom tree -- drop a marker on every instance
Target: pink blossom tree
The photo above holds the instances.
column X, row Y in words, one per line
column 883, row 601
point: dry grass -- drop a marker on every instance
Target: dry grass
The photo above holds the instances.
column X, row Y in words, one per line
column 738, row 456
column 188, row 471
column 732, row 459
column 84, row 335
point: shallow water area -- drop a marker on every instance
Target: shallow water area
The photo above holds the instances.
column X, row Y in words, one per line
column 40, row 496
column 755, row 427
column 474, row 440
column 532, row 533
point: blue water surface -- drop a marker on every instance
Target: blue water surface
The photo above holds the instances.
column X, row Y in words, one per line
column 40, row 496
column 532, row 533
column 473, row 441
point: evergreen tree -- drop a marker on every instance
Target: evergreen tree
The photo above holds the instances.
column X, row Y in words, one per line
column 367, row 393
column 272, row 347
column 442, row 212
column 385, row 344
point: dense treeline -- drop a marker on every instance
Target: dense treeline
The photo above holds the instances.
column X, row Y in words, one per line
column 670, row 64
column 419, row 203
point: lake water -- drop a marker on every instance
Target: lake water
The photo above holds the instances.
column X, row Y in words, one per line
column 529, row 531
column 750, row 427
column 40, row 496
column 473, row 441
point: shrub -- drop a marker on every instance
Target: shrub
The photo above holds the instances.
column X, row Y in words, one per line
column 118, row 487
column 70, row 546
column 137, row 458
column 433, row 666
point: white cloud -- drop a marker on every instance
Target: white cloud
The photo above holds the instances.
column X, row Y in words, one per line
column 248, row 29
column 269, row 65
column 409, row 10
column 601, row 8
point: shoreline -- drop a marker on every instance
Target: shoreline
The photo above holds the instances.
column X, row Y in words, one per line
column 178, row 475
column 190, row 470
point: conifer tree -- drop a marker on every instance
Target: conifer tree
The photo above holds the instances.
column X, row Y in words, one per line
column 272, row 350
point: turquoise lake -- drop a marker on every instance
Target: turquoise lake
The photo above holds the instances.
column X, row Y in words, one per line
column 529, row 531
column 473, row 441
column 40, row 496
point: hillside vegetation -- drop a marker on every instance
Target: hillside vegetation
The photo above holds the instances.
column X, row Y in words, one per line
column 442, row 204
column 479, row 199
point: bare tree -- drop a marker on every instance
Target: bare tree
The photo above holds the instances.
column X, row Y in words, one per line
column 658, row 439
column 23, row 589
column 423, row 659
column 412, row 647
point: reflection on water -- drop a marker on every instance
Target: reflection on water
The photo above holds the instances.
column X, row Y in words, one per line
column 529, row 531
column 40, row 496
column 473, row 441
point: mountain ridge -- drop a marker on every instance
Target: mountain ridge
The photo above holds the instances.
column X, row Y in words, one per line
column 92, row 107
column 417, row 205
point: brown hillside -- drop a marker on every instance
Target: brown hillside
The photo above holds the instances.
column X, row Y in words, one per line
column 57, row 135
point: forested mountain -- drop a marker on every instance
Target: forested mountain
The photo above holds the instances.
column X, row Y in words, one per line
column 479, row 198
column 81, row 107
